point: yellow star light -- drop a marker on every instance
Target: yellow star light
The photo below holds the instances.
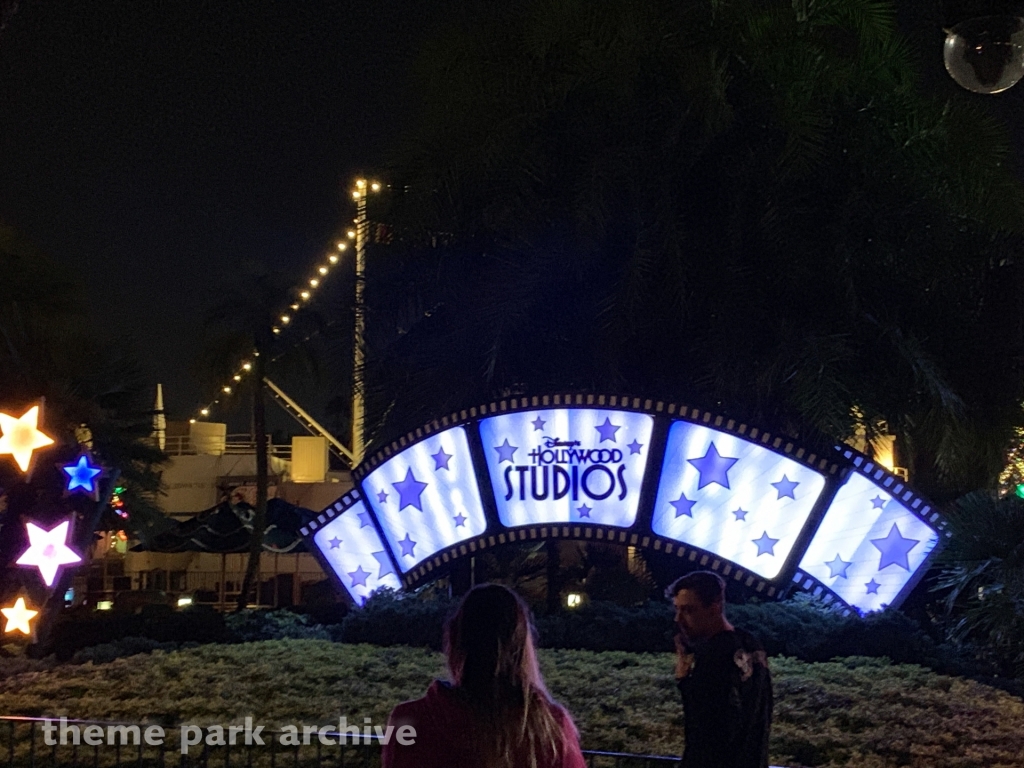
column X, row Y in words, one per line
column 18, row 617
column 20, row 436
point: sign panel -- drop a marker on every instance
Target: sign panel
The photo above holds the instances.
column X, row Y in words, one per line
column 868, row 546
column 351, row 546
column 732, row 497
column 562, row 465
column 426, row 498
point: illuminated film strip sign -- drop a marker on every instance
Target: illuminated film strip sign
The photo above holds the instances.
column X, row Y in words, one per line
column 871, row 547
column 758, row 508
column 348, row 545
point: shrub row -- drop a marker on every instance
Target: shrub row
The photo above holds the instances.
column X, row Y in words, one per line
column 802, row 628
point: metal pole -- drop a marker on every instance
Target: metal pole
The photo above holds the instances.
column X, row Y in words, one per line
column 358, row 405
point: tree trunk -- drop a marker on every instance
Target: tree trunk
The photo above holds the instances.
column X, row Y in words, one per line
column 554, row 564
column 259, row 520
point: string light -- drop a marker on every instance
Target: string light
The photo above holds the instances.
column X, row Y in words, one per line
column 362, row 189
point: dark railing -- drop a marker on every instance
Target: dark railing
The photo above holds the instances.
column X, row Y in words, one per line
column 23, row 744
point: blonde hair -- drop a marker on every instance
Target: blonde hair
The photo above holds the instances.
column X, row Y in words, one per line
column 493, row 664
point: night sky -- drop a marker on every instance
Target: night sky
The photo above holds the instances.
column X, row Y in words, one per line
column 152, row 151
column 153, row 147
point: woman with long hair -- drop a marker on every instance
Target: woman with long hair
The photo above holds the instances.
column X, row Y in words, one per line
column 496, row 712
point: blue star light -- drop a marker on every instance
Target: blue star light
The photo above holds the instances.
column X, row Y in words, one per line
column 634, row 447
column 584, row 511
column 741, row 514
column 683, row 506
column 460, row 520
column 607, row 430
column 538, row 424
column 765, row 544
column 506, row 451
column 408, row 546
column 385, row 564
column 838, row 567
column 785, row 487
column 872, row 587
column 409, row 491
column 441, row 459
column 82, row 475
column 364, row 519
column 878, row 503
column 713, row 468
column 359, row 576
column 894, row 549
column 335, row 542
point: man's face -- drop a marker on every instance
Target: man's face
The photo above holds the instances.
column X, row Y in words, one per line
column 695, row 620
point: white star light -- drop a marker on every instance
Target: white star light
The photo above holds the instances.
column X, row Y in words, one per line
column 21, row 437
column 18, row 617
column 48, row 550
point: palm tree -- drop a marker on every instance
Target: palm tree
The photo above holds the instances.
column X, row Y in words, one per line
column 748, row 205
column 982, row 575
column 241, row 327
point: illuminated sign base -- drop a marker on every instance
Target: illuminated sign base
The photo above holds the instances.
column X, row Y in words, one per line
column 760, row 509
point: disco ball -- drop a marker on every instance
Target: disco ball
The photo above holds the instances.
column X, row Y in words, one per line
column 986, row 55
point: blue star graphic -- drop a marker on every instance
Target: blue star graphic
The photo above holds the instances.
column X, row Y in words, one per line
column 335, row 542
column 838, row 567
column 683, row 506
column 506, row 451
column 713, row 468
column 359, row 576
column 878, row 503
column 382, row 497
column 765, row 544
column 872, row 587
column 408, row 546
column 785, row 487
column 741, row 514
column 538, row 424
column 441, row 459
column 385, row 564
column 894, row 549
column 607, row 430
column 364, row 519
column 634, row 447
column 409, row 491
column 460, row 520
column 584, row 511
column 82, row 475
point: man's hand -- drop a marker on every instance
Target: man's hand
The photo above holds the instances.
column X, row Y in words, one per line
column 684, row 659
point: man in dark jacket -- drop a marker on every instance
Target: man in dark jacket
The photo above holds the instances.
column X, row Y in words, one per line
column 723, row 676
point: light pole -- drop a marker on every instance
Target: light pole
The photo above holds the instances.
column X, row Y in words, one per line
column 359, row 194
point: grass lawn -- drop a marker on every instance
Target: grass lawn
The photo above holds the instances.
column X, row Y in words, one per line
column 855, row 712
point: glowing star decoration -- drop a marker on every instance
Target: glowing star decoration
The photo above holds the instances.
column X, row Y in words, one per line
column 83, row 476
column 48, row 550
column 426, row 498
column 18, row 617
column 560, row 465
column 21, row 436
column 347, row 543
column 732, row 497
column 869, row 545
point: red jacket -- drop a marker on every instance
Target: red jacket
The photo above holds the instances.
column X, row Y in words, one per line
column 440, row 718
